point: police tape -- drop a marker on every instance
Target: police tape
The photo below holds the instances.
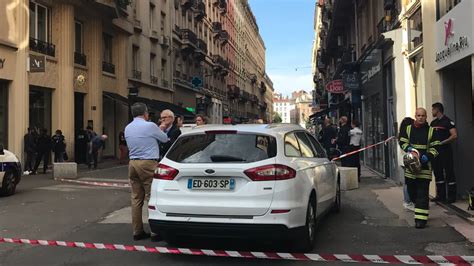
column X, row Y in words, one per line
column 365, row 148
column 387, row 259
column 94, row 183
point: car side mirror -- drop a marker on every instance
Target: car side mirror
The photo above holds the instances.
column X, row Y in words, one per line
column 1, row 150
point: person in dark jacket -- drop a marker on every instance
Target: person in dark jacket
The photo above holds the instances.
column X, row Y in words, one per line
column 123, row 148
column 328, row 136
column 343, row 139
column 59, row 146
column 170, row 129
column 30, row 149
column 97, row 143
column 43, row 149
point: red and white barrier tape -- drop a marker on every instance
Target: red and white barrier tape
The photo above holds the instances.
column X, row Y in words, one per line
column 94, row 183
column 391, row 259
column 365, row 148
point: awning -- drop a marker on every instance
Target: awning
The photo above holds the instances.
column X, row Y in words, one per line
column 159, row 106
column 117, row 97
column 326, row 111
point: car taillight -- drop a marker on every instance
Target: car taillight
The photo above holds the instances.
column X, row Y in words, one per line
column 271, row 172
column 165, row 172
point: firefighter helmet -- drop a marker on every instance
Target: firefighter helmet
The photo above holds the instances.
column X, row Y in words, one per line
column 411, row 160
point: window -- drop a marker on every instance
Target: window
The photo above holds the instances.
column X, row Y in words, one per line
column 163, row 69
column 317, row 147
column 135, row 58
column 223, row 148
column 415, row 30
column 107, row 44
column 305, row 144
column 163, row 22
column 292, row 148
column 40, row 22
column 78, row 37
column 152, row 64
column 151, row 15
column 444, row 6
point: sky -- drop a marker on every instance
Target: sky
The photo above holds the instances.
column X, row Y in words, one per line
column 286, row 27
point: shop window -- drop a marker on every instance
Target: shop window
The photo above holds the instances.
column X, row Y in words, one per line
column 415, row 30
column 3, row 114
column 40, row 109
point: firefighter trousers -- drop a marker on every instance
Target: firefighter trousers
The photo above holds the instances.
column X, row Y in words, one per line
column 418, row 190
column 443, row 168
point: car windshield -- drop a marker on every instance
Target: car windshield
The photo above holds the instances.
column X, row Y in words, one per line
column 223, row 148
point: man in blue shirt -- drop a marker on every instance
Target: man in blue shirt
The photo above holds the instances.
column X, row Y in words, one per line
column 142, row 140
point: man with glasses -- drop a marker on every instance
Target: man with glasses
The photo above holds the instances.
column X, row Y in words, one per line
column 142, row 140
column 170, row 128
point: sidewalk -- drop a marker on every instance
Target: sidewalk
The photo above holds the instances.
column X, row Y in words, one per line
column 392, row 199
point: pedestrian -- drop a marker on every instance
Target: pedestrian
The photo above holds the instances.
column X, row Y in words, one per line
column 327, row 137
column 201, row 120
column 343, row 139
column 142, row 141
column 123, row 148
column 90, row 134
column 419, row 140
column 59, row 146
column 97, row 144
column 43, row 149
column 443, row 165
column 407, row 202
column 29, row 142
column 170, row 129
column 355, row 135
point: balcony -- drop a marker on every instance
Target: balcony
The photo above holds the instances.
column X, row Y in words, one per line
column 244, row 96
column 224, row 37
column 137, row 25
column 253, row 98
column 253, row 78
column 137, row 74
column 153, row 80
column 216, row 29
column 187, row 4
column 80, row 59
column 219, row 62
column 199, row 10
column 108, row 67
column 42, row 47
column 165, row 83
column 262, row 88
column 263, row 106
column 222, row 5
column 388, row 4
column 201, row 51
column 189, row 40
column 164, row 41
column 154, row 36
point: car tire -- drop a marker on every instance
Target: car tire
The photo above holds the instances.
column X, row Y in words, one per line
column 336, row 208
column 8, row 185
column 306, row 236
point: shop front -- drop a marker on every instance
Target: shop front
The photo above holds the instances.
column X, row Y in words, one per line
column 3, row 113
column 40, row 108
column 454, row 63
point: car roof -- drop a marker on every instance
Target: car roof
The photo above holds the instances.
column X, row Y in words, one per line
column 270, row 129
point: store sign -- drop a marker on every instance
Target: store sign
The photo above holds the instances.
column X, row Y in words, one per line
column 351, row 80
column 454, row 35
column 37, row 63
column 335, row 86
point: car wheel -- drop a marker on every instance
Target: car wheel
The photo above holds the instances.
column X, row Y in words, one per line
column 8, row 184
column 306, row 237
column 337, row 201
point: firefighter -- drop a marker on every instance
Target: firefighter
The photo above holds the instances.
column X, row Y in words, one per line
column 443, row 167
column 419, row 140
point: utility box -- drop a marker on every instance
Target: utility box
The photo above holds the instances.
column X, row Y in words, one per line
column 349, row 178
column 64, row 170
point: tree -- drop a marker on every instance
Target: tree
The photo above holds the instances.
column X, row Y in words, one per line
column 277, row 118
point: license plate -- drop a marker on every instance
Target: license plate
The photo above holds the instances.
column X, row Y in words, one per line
column 211, row 183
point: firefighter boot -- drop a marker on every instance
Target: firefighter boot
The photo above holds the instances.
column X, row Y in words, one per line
column 420, row 224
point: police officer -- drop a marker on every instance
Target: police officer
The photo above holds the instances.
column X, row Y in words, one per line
column 443, row 165
column 418, row 138
column 343, row 139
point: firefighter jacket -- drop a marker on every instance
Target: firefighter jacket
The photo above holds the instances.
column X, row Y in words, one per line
column 422, row 139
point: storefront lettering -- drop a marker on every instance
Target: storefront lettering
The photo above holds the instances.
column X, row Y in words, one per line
column 370, row 73
column 452, row 49
column 2, row 62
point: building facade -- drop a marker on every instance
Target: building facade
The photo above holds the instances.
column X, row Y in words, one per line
column 284, row 107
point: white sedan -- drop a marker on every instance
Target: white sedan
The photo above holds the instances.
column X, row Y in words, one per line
column 244, row 181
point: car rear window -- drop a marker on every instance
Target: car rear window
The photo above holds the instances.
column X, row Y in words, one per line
column 223, row 148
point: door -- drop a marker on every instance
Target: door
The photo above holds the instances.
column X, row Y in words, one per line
column 79, row 151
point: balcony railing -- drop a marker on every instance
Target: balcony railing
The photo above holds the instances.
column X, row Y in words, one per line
column 108, row 67
column 262, row 88
column 222, row 5
column 164, row 83
column 189, row 37
column 80, row 59
column 153, row 79
column 42, row 47
column 216, row 27
column 202, row 45
column 199, row 10
column 233, row 91
column 253, row 78
column 137, row 74
column 224, row 36
column 187, row 4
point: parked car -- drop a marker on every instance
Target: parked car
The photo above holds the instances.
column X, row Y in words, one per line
column 244, row 181
column 10, row 172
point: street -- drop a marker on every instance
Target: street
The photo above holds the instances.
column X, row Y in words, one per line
column 372, row 221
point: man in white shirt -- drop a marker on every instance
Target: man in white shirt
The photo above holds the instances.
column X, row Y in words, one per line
column 356, row 136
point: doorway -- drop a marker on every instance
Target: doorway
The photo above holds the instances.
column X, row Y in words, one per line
column 79, row 143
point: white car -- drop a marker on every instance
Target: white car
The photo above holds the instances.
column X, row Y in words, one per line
column 244, row 181
column 10, row 172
